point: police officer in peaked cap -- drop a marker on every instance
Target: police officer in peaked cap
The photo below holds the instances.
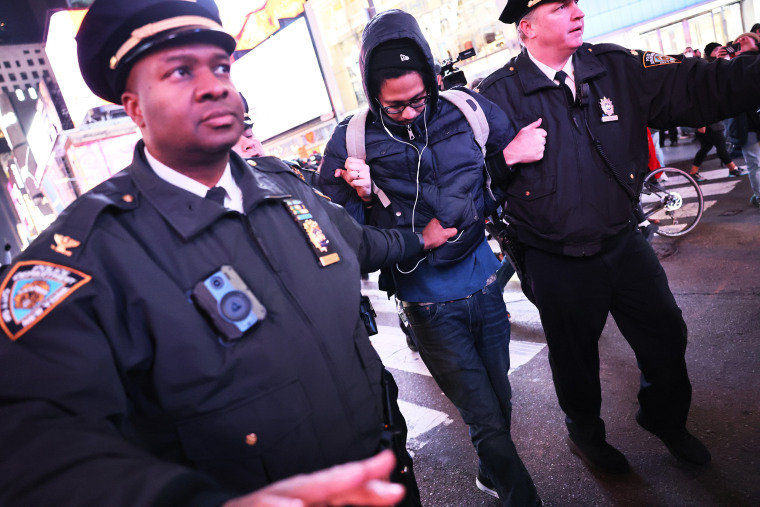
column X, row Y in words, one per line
column 188, row 332
column 572, row 212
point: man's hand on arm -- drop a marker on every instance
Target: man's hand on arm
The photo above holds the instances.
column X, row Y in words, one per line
column 434, row 235
column 527, row 146
column 361, row 483
column 356, row 174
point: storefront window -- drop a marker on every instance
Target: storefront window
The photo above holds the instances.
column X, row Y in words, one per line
column 720, row 25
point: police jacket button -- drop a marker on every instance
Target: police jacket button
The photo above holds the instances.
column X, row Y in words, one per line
column 251, row 439
column 251, row 163
column 511, row 68
column 128, row 198
column 632, row 176
column 398, row 213
column 527, row 193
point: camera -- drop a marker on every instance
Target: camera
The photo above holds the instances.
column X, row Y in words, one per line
column 731, row 49
column 451, row 75
column 229, row 304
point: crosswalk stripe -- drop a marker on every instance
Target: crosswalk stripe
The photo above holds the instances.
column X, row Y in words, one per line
column 420, row 420
column 390, row 344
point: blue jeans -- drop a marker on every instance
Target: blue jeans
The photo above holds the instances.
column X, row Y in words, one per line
column 465, row 346
column 751, row 152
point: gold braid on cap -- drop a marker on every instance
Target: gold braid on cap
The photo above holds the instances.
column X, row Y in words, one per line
column 532, row 3
column 151, row 29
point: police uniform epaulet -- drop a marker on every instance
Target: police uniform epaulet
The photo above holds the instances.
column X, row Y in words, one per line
column 268, row 164
column 276, row 165
column 508, row 70
column 74, row 225
column 603, row 48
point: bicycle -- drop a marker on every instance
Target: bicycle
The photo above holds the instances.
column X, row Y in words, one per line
column 672, row 200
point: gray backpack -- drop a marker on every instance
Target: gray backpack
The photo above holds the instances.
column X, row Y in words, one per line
column 462, row 100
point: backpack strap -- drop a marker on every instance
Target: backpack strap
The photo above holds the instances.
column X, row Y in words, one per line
column 475, row 116
column 355, row 135
column 355, row 147
column 472, row 112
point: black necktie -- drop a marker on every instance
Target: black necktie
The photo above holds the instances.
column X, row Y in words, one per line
column 216, row 194
column 561, row 76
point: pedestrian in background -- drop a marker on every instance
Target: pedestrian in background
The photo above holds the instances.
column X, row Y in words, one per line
column 744, row 129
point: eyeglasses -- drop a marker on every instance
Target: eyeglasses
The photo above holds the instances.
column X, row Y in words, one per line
column 415, row 103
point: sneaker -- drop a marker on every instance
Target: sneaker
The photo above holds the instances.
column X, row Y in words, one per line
column 485, row 485
column 698, row 178
column 681, row 444
column 739, row 171
column 755, row 201
column 600, row 456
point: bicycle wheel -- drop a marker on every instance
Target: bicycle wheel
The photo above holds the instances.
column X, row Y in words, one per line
column 672, row 200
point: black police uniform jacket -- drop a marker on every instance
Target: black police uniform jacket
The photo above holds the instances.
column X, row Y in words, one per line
column 114, row 388
column 571, row 202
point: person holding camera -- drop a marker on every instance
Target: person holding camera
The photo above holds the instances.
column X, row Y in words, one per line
column 424, row 161
column 744, row 130
column 572, row 212
column 189, row 330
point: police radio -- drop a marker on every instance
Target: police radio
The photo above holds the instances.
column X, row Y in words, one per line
column 451, row 75
column 228, row 303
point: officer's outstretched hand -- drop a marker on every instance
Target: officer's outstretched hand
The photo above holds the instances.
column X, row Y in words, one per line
column 527, row 146
column 435, row 235
column 356, row 174
column 361, row 483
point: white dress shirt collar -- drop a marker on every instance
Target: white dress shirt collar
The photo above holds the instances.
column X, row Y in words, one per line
column 233, row 199
column 569, row 69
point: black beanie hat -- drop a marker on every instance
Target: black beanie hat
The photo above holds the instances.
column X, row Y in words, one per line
column 709, row 49
column 397, row 54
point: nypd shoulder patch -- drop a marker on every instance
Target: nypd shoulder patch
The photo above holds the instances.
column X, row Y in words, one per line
column 651, row 59
column 31, row 290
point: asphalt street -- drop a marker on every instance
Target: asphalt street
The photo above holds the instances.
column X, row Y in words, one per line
column 714, row 275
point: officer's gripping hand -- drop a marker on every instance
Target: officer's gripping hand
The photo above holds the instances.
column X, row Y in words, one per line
column 527, row 146
column 361, row 483
column 435, row 235
column 356, row 174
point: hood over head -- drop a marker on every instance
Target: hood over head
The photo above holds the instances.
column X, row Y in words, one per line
column 394, row 25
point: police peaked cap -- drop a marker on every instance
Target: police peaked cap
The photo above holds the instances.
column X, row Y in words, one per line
column 515, row 10
column 116, row 33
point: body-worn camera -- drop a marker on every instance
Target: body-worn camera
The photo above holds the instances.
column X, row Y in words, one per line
column 227, row 301
column 451, row 75
column 367, row 313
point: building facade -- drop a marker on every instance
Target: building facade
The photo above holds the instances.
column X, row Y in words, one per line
column 22, row 67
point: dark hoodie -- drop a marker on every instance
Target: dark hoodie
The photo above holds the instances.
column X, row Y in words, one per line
column 451, row 173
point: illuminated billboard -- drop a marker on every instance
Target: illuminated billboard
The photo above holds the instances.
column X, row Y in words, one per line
column 282, row 81
column 61, row 49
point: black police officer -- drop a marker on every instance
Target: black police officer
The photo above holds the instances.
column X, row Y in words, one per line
column 163, row 348
column 572, row 210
